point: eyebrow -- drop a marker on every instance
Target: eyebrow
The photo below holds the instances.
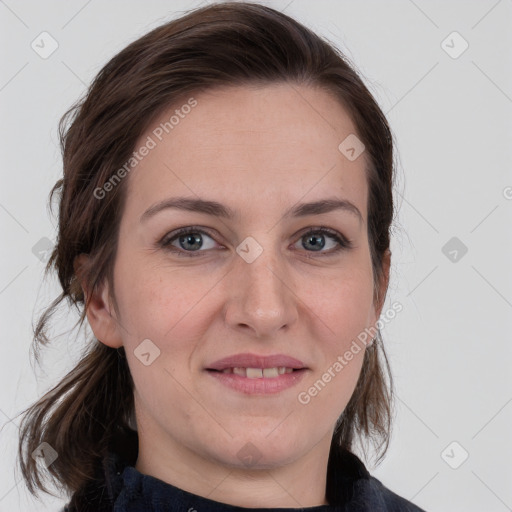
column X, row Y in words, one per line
column 219, row 210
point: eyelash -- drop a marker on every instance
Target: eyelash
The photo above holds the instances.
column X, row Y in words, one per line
column 165, row 242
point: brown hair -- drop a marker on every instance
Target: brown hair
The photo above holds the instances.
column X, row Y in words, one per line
column 225, row 44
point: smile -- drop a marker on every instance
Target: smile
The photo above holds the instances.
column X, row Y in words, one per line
column 258, row 381
column 258, row 373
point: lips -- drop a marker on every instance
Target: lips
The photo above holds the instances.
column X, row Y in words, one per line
column 253, row 374
column 257, row 366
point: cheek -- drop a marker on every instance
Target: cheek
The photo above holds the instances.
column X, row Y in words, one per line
column 173, row 309
column 342, row 303
column 342, row 306
column 155, row 301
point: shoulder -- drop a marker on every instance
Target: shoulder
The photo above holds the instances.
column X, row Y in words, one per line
column 376, row 496
column 360, row 491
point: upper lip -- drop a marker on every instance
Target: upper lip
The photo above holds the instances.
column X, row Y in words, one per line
column 256, row 361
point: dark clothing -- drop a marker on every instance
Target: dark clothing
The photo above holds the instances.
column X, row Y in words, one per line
column 121, row 488
column 132, row 491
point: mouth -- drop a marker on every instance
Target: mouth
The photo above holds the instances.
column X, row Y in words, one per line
column 258, row 381
column 258, row 373
column 253, row 374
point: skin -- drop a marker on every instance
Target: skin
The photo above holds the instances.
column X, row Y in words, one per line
column 258, row 150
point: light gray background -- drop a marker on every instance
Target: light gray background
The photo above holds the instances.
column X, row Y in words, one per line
column 450, row 347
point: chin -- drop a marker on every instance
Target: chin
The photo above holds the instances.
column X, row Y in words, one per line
column 261, row 451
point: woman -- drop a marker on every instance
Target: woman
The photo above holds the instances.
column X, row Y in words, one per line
column 224, row 226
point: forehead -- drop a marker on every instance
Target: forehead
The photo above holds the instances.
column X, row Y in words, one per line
column 248, row 146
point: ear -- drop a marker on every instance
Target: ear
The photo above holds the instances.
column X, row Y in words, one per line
column 100, row 313
column 382, row 285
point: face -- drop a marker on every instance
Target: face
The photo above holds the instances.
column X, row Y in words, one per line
column 271, row 279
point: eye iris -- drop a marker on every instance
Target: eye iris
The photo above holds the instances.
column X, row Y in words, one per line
column 313, row 240
column 192, row 239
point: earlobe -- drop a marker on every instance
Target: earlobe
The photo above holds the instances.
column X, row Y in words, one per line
column 100, row 314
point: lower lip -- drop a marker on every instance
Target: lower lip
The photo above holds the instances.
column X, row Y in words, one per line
column 260, row 386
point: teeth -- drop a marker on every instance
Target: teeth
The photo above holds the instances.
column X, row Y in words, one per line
column 270, row 372
column 254, row 373
column 258, row 373
column 239, row 371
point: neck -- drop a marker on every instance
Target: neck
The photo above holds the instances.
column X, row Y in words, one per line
column 297, row 484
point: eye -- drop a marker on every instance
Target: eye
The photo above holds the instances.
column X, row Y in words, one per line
column 315, row 239
column 190, row 240
column 186, row 241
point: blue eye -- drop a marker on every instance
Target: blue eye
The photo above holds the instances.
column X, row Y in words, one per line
column 190, row 240
column 316, row 239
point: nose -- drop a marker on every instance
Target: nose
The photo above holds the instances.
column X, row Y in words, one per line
column 261, row 299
